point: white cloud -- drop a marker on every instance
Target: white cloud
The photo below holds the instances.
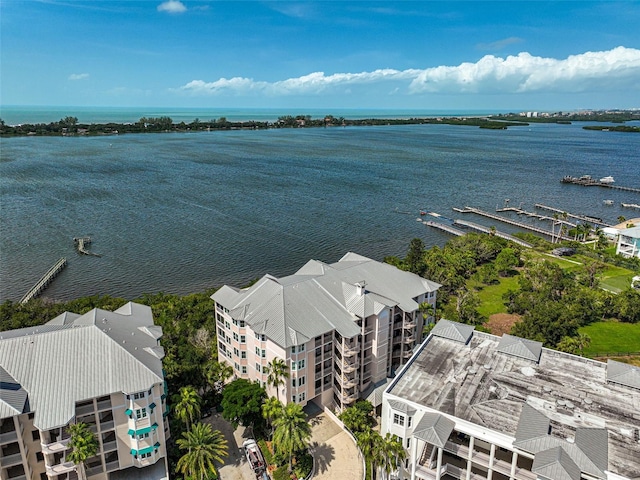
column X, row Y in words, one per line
column 78, row 76
column 590, row 71
column 172, row 6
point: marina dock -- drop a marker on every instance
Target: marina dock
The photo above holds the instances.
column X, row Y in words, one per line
column 520, row 211
column 445, row 228
column 46, row 279
column 483, row 229
column 524, row 226
column 584, row 218
column 587, row 181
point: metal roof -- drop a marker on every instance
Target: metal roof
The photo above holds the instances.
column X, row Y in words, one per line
column 623, row 373
column 555, row 464
column 594, row 443
column 13, row 398
column 531, row 424
column 320, row 298
column 401, row 407
column 520, row 347
column 374, row 392
column 434, row 428
column 456, row 331
column 60, row 366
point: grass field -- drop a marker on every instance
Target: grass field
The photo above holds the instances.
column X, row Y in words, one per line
column 612, row 338
column 491, row 296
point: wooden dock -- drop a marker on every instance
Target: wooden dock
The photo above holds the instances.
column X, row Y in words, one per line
column 81, row 243
column 46, row 279
column 445, row 228
column 483, row 229
column 584, row 218
column 587, row 181
column 524, row 226
column 520, row 211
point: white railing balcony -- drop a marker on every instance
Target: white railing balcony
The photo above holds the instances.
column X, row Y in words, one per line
column 410, row 324
column 348, row 382
column 407, row 353
column 349, row 398
column 61, row 468
column 55, row 447
column 10, row 460
column 348, row 368
column 409, row 339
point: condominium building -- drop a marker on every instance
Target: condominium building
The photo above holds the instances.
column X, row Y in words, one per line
column 341, row 328
column 103, row 369
column 628, row 244
column 474, row 406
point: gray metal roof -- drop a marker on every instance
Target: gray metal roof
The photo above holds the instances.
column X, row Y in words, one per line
column 456, row 331
column 434, row 428
column 99, row 353
column 402, row 407
column 374, row 392
column 555, row 464
column 320, row 298
column 594, row 443
column 623, row 373
column 520, row 347
column 532, row 424
column 13, row 398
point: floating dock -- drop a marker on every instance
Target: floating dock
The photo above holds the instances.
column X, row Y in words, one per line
column 524, row 226
column 46, row 279
column 587, row 181
column 483, row 229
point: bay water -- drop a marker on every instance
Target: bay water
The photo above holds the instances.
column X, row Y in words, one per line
column 181, row 212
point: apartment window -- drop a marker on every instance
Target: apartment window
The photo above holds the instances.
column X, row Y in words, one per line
column 257, row 336
column 409, row 441
column 294, row 365
column 145, row 455
column 409, row 422
column 243, row 354
column 258, row 351
column 398, row 419
column 243, row 338
column 302, row 397
column 235, row 336
column 143, row 435
column 319, row 383
column 302, row 381
column 244, row 369
column 35, row 434
column 39, row 457
column 235, row 322
column 242, row 323
column 236, row 366
column 141, row 413
column 227, row 324
column 293, row 398
column 236, row 352
column 263, row 353
column 258, row 367
column 293, row 382
column 300, row 364
column 228, row 353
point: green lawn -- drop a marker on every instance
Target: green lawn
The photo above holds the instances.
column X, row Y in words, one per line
column 616, row 279
column 612, row 338
column 491, row 296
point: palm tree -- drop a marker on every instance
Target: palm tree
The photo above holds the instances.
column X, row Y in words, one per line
column 187, row 406
column 217, row 373
column 582, row 341
column 292, row 430
column 370, row 444
column 272, row 409
column 392, row 452
column 83, row 444
column 204, row 446
column 277, row 373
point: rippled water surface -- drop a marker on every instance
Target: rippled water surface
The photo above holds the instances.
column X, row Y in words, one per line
column 183, row 212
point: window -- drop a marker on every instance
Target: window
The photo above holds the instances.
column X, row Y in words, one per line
column 302, row 397
column 409, row 422
column 302, row 381
column 35, row 434
column 243, row 354
column 227, row 324
column 236, row 366
column 242, row 324
column 243, row 338
column 137, row 396
column 293, row 365
column 145, row 455
column 141, row 413
column 257, row 350
column 258, row 367
column 39, row 457
column 235, row 336
column 143, row 435
column 293, row 398
column 398, row 419
column 293, row 382
column 236, row 352
column 263, row 353
column 244, row 369
column 300, row 364
column 409, row 441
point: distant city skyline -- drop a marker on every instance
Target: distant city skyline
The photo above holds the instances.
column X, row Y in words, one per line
column 529, row 56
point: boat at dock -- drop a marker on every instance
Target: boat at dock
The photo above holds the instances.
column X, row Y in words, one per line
column 608, row 179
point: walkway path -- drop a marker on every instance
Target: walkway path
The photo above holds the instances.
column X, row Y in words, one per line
column 335, row 453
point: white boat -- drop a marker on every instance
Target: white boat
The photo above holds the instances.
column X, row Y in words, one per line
column 608, row 179
column 608, row 202
column 254, row 456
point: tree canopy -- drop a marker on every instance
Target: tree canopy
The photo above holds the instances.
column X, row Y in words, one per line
column 242, row 403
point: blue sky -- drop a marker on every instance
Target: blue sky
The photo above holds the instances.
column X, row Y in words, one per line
column 471, row 55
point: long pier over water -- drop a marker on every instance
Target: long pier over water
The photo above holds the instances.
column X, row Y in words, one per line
column 587, row 181
column 46, row 279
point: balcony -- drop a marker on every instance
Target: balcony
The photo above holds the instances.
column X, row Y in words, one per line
column 348, row 368
column 61, row 468
column 111, row 466
column 348, row 382
column 347, row 350
column 104, row 405
column 109, row 446
column 346, row 398
column 55, row 447
column 8, row 437
column 409, row 324
column 407, row 354
column 84, row 410
column 107, row 426
column 10, row 460
column 409, row 339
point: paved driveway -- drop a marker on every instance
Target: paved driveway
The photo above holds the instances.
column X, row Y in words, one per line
column 337, row 457
column 236, row 466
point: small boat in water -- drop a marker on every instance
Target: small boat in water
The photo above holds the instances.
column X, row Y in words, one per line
column 608, row 179
column 608, row 202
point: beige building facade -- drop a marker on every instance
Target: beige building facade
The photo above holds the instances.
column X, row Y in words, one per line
column 341, row 328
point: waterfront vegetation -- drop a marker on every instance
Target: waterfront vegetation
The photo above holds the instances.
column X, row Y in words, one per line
column 583, row 305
